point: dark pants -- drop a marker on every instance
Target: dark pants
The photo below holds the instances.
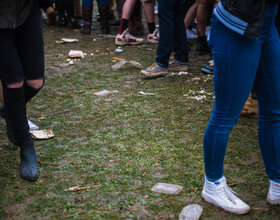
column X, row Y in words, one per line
column 172, row 32
column 21, row 58
column 63, row 6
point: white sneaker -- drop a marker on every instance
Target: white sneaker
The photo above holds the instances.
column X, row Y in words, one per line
column 32, row 126
column 223, row 196
column 154, row 37
column 126, row 38
column 273, row 196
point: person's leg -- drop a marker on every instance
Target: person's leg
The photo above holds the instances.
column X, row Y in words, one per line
column 166, row 17
column 233, row 82
column 1, row 94
column 191, row 14
column 25, row 62
column 124, row 38
column 59, row 5
column 201, row 15
column 104, row 11
column 72, row 21
column 126, row 13
column 236, row 61
column 180, row 41
column 268, row 94
column 87, row 8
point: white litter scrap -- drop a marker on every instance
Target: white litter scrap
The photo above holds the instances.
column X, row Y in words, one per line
column 66, row 40
column 119, row 64
column 198, row 95
column 76, row 54
column 146, row 93
column 41, row 134
column 179, row 73
column 102, row 93
column 191, row 212
column 167, row 188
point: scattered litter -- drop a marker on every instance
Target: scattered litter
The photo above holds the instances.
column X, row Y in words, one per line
column 118, row 50
column 71, row 62
column 118, row 65
column 198, row 95
column 149, row 49
column 107, row 36
column 63, row 65
column 76, row 54
column 102, row 93
column 167, row 188
column 41, row 134
column 121, row 63
column 118, row 59
column 179, row 73
column 66, row 40
column 191, row 212
column 40, row 118
column 93, row 39
column 76, row 188
column 136, row 64
column 115, row 91
column 146, row 93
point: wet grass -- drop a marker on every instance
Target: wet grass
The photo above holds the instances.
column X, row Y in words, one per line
column 118, row 146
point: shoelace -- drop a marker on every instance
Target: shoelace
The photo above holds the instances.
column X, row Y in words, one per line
column 227, row 193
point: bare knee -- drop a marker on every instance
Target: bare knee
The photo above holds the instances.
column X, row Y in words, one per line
column 15, row 85
column 36, row 84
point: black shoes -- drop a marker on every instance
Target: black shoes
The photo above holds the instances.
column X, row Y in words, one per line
column 28, row 163
column 202, row 46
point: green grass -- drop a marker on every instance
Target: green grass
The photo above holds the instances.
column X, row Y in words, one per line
column 125, row 142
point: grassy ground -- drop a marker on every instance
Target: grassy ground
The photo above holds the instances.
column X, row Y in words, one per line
column 118, row 146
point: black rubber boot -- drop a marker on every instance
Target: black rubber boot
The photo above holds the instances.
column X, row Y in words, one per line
column 104, row 12
column 202, row 46
column 9, row 131
column 28, row 163
column 87, row 17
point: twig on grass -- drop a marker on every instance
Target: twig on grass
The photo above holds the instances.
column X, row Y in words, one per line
column 146, row 148
column 53, row 164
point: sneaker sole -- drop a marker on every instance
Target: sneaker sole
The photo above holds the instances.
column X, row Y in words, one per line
column 154, row 74
column 272, row 202
column 236, row 211
column 177, row 69
column 122, row 43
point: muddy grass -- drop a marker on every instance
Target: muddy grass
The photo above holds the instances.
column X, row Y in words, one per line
column 118, row 146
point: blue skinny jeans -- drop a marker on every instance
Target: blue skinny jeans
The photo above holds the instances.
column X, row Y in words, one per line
column 240, row 63
column 87, row 3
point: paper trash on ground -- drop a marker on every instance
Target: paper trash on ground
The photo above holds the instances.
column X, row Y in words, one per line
column 102, row 93
column 122, row 62
column 191, row 212
column 76, row 54
column 41, row 134
column 146, row 93
column 167, row 188
column 66, row 40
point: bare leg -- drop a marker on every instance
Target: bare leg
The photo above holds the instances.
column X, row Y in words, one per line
column 191, row 14
column 201, row 16
column 128, row 8
column 149, row 11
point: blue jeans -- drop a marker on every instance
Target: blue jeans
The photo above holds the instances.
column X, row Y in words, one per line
column 172, row 32
column 240, row 63
column 87, row 3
